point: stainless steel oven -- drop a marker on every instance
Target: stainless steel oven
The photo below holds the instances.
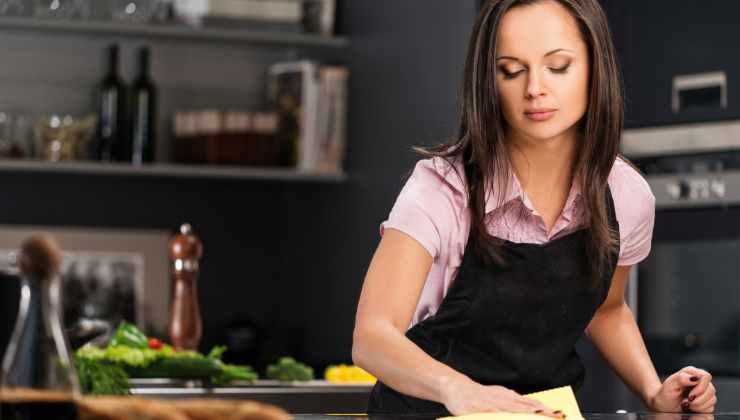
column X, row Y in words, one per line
column 688, row 289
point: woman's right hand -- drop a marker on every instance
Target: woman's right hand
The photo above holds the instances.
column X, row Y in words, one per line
column 467, row 397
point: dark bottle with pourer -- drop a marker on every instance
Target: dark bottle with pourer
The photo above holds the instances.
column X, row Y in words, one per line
column 143, row 112
column 38, row 377
column 186, row 327
column 111, row 142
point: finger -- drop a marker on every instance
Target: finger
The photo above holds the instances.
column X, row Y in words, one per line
column 677, row 383
column 699, row 400
column 686, row 379
column 707, row 407
column 520, row 406
column 702, row 374
column 540, row 408
column 535, row 404
column 701, row 378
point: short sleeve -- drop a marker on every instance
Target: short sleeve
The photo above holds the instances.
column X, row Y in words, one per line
column 634, row 204
column 428, row 207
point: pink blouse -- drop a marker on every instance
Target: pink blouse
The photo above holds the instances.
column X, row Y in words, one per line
column 431, row 209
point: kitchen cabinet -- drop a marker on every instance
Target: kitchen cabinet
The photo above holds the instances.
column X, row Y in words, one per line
column 661, row 39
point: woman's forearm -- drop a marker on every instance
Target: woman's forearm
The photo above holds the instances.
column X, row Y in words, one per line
column 399, row 363
column 615, row 334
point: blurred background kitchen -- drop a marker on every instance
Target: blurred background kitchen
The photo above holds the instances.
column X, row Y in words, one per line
column 281, row 130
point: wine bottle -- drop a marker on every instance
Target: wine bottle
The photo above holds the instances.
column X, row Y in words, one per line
column 143, row 113
column 111, row 142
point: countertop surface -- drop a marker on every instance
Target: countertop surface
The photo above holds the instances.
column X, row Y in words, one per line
column 588, row 416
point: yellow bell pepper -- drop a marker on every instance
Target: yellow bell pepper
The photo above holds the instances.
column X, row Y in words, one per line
column 345, row 374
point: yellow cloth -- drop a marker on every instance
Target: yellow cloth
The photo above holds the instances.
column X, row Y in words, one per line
column 561, row 399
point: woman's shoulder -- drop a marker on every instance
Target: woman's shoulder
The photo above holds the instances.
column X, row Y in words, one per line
column 439, row 173
column 634, row 202
column 626, row 179
column 430, row 207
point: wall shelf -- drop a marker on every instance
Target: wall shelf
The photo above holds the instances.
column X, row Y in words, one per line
column 174, row 32
column 169, row 170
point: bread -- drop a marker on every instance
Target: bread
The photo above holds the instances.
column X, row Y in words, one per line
column 208, row 409
column 127, row 408
column 137, row 408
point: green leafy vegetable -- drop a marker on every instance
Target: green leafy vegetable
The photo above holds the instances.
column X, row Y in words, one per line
column 178, row 368
column 216, row 352
column 100, row 378
column 230, row 372
column 234, row 373
column 90, row 352
column 122, row 355
column 130, row 336
column 106, row 371
column 287, row 369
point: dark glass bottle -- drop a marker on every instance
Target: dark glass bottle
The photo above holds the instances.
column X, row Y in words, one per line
column 143, row 113
column 111, row 141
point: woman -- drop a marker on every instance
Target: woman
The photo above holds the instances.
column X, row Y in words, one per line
column 516, row 237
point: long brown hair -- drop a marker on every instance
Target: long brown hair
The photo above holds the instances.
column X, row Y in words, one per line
column 480, row 146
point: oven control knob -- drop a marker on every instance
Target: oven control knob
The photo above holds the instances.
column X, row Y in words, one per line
column 679, row 190
column 682, row 190
column 674, row 190
column 718, row 188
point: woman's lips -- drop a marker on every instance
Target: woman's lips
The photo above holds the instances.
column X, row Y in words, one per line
column 542, row 115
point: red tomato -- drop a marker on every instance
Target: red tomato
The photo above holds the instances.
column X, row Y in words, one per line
column 155, row 344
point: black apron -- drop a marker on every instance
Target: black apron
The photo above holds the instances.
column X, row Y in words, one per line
column 514, row 325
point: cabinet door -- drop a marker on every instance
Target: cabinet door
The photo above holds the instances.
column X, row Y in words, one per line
column 660, row 39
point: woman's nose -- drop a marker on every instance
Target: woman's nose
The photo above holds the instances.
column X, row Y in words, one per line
column 535, row 88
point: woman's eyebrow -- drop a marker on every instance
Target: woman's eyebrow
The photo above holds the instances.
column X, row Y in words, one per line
column 555, row 51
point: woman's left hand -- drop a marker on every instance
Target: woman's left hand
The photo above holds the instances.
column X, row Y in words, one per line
column 690, row 390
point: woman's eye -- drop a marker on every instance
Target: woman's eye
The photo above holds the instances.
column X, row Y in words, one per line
column 510, row 75
column 560, row 70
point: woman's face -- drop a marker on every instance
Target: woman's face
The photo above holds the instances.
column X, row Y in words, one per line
column 542, row 71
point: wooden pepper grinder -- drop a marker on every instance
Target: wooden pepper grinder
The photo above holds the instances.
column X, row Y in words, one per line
column 186, row 327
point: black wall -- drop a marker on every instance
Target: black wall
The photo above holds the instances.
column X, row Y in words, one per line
column 406, row 60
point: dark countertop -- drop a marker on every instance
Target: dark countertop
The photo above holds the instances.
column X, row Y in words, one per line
column 298, row 397
column 588, row 416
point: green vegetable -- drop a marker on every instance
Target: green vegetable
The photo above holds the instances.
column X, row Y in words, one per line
column 230, row 373
column 287, row 369
column 177, row 368
column 90, row 352
column 130, row 336
column 129, row 355
column 100, row 378
column 216, row 352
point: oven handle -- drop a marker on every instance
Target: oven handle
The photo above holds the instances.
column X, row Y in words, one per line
column 688, row 82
